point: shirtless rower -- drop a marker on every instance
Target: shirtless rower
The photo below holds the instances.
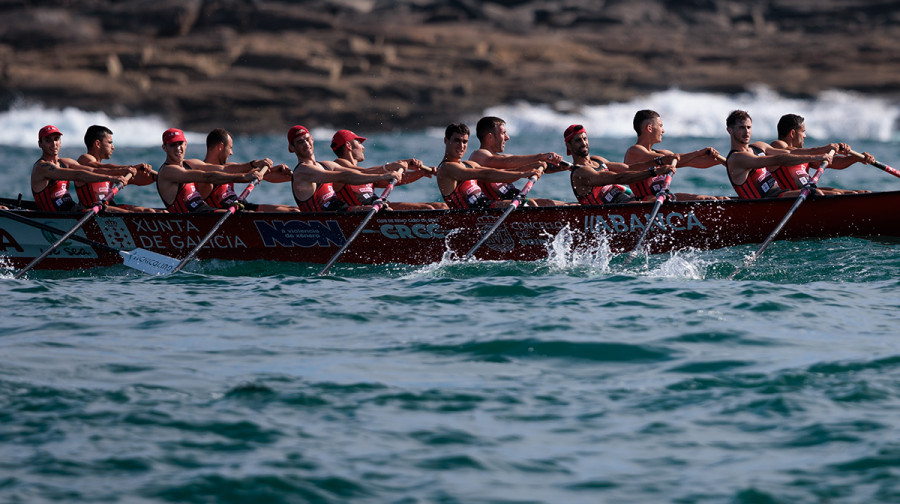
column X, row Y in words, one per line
column 492, row 135
column 312, row 180
column 595, row 180
column 51, row 174
column 747, row 164
column 219, row 147
column 350, row 151
column 649, row 128
column 99, row 143
column 458, row 180
column 176, row 181
column 791, row 136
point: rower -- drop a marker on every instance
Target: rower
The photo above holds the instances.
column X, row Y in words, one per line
column 649, row 128
column 219, row 147
column 350, row 151
column 492, row 135
column 99, row 143
column 313, row 181
column 791, row 136
column 747, row 165
column 596, row 180
column 51, row 174
column 459, row 180
column 176, row 180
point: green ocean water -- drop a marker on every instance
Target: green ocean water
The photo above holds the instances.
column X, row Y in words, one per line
column 571, row 379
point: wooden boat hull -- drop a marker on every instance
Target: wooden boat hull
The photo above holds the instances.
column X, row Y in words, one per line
column 422, row 237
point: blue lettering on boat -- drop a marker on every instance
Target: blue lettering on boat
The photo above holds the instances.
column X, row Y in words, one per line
column 300, row 233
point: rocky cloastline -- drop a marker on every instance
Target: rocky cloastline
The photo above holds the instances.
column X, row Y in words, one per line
column 258, row 66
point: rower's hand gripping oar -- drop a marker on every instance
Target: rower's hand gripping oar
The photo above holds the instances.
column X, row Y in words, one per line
column 660, row 197
column 877, row 164
column 376, row 206
column 94, row 210
column 517, row 200
column 800, row 199
column 231, row 209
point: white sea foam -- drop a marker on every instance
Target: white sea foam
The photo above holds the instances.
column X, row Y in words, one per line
column 832, row 115
column 19, row 126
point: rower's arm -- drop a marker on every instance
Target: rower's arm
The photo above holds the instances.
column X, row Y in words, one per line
column 76, row 172
column 180, row 175
column 510, row 162
column 249, row 165
column 621, row 173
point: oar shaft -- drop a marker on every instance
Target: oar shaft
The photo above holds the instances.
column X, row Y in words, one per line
column 94, row 210
column 800, row 199
column 512, row 206
column 660, row 197
column 59, row 232
column 231, row 209
column 878, row 164
column 380, row 202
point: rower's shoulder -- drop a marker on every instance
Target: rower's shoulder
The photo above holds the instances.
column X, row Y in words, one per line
column 483, row 156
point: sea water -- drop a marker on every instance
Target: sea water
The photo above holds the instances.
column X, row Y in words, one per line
column 572, row 379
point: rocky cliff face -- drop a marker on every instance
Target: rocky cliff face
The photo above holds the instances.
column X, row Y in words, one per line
column 256, row 65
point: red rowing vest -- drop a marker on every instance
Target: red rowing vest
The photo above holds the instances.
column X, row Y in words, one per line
column 467, row 195
column 792, row 177
column 55, row 198
column 221, row 196
column 759, row 184
column 498, row 190
column 90, row 193
column 601, row 195
column 354, row 195
column 188, row 200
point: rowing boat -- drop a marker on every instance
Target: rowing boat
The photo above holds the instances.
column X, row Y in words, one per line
column 428, row 236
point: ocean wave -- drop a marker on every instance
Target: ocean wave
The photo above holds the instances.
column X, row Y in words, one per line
column 831, row 115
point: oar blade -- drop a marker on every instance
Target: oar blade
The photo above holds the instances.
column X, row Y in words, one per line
column 149, row 262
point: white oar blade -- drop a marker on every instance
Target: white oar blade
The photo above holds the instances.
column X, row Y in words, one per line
column 149, row 262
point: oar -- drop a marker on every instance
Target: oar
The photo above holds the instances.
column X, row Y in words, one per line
column 231, row 209
column 800, row 199
column 512, row 206
column 660, row 197
column 94, row 210
column 376, row 206
column 138, row 258
column 58, row 232
column 878, row 165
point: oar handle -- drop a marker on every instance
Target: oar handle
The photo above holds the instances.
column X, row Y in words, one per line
column 252, row 185
column 524, row 192
column 877, row 164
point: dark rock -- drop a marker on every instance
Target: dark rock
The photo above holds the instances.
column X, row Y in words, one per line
column 262, row 65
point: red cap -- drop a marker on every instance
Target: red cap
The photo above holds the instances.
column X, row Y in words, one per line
column 573, row 130
column 173, row 135
column 48, row 130
column 296, row 131
column 570, row 133
column 344, row 136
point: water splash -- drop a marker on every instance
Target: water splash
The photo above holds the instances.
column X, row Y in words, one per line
column 563, row 254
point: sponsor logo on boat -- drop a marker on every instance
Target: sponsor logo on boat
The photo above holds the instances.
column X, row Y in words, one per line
column 614, row 223
column 299, row 233
column 421, row 230
column 166, row 234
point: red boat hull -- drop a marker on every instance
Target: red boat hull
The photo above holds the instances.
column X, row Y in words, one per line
column 422, row 237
